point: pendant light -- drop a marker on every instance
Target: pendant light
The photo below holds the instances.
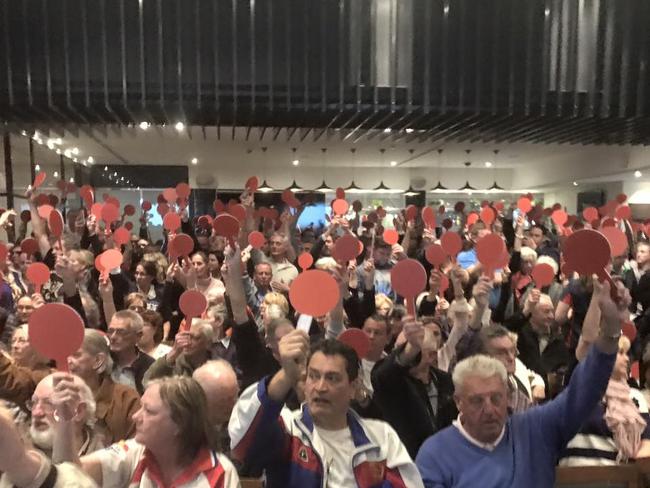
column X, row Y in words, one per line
column 352, row 187
column 264, row 187
column 410, row 191
column 467, row 187
column 495, row 186
column 381, row 188
column 323, row 188
column 294, row 186
column 439, row 187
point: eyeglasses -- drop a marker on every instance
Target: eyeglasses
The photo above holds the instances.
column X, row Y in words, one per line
column 117, row 332
column 46, row 405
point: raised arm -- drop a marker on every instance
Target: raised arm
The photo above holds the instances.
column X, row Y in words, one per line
column 590, row 325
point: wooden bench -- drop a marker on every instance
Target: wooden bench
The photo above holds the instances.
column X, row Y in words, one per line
column 599, row 477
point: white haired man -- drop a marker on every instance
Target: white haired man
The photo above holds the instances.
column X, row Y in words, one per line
column 484, row 447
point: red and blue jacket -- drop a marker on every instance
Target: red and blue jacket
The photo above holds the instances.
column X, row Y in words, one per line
column 271, row 437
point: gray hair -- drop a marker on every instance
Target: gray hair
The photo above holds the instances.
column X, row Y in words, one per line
column 275, row 312
column 205, row 328
column 95, row 343
column 548, row 260
column 528, row 252
column 490, row 332
column 480, row 365
column 218, row 311
column 134, row 319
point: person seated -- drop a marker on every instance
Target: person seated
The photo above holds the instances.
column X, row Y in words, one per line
column 324, row 443
column 617, row 430
column 129, row 363
column 415, row 397
column 22, row 466
column 219, row 382
column 86, row 438
column 150, row 341
column 486, row 447
column 191, row 349
column 115, row 403
column 171, row 445
column 525, row 388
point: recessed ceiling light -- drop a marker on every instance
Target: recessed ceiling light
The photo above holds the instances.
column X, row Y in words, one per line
column 91, row 160
column 180, row 126
column 409, row 130
column 56, row 174
column 488, row 164
column 72, row 179
column 393, row 163
column 75, row 150
column 145, row 125
column 37, row 167
column 638, row 174
column 295, row 162
column 387, row 130
column 575, row 183
column 195, row 161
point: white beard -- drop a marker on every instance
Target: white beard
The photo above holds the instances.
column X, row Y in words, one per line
column 43, row 439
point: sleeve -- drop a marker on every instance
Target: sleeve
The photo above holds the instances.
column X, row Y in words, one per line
column 231, row 478
column 388, row 381
column 75, row 302
column 432, row 473
column 17, row 384
column 558, row 421
column 317, row 248
column 249, row 291
column 249, row 351
column 118, row 462
column 258, row 435
column 401, row 471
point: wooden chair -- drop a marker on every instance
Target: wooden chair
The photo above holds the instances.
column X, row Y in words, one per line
column 250, row 483
column 599, row 477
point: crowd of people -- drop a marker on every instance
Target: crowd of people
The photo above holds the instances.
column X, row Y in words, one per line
column 494, row 381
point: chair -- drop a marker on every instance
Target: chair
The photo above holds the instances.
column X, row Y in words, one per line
column 598, row 477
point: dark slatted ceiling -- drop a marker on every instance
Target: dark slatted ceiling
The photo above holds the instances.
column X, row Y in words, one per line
column 493, row 70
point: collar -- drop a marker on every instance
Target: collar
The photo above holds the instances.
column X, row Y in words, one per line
column 359, row 436
column 151, row 295
column 489, row 446
column 205, row 460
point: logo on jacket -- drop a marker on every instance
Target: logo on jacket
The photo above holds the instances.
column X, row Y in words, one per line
column 376, row 471
column 302, row 454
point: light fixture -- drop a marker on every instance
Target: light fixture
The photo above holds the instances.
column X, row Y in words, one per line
column 323, row 188
column 294, row 187
column 295, row 162
column 638, row 174
column 381, row 188
column 195, row 161
column 105, row 168
column 22, row 132
column 90, row 160
column 56, row 174
column 575, row 183
column 488, row 164
column 58, row 151
column 50, row 144
column 265, row 187
column 387, row 130
column 146, row 125
column 495, row 186
column 67, row 153
column 75, row 151
column 72, row 179
column 352, row 188
column 75, row 160
column 439, row 187
column 467, row 187
column 179, row 126
column 409, row 130
column 393, row 163
column 411, row 192
column 37, row 167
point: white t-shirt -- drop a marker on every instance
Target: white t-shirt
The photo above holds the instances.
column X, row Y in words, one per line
column 366, row 370
column 124, row 465
column 337, row 456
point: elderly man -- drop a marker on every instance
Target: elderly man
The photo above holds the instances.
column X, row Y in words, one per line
column 485, row 447
column 130, row 364
column 325, row 443
column 283, row 271
column 541, row 346
column 524, row 386
column 191, row 350
column 219, row 382
column 257, row 287
column 41, row 430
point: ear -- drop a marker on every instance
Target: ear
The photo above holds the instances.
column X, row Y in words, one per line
column 457, row 401
column 100, row 359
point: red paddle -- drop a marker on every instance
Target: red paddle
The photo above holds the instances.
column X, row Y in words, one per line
column 180, row 246
column 429, row 217
column 452, row 244
column 121, row 236
column 489, row 251
column 183, row 190
column 56, row 331
column 340, row 207
column 357, row 340
column 314, row 292
column 305, row 260
column 390, row 236
column 38, row 274
column 408, row 278
column 192, row 303
column 590, row 214
column 542, row 275
column 588, row 252
column 39, row 179
column 252, row 184
column 227, row 226
column 617, row 240
column 170, row 195
column 172, row 222
column 29, row 246
column 346, row 248
column 436, row 255
column 256, row 240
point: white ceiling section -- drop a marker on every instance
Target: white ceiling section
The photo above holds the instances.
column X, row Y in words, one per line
column 227, row 157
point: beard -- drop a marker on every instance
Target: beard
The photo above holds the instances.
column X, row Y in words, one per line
column 43, row 439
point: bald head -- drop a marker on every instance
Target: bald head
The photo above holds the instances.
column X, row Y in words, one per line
column 219, row 382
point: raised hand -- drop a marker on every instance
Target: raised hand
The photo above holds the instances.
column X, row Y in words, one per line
column 66, row 396
column 482, row 290
column 293, row 349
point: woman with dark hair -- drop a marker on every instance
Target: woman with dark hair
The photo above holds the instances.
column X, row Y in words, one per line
column 146, row 283
column 152, row 335
column 171, row 444
column 211, row 287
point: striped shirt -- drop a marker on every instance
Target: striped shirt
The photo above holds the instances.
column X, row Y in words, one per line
column 594, row 444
